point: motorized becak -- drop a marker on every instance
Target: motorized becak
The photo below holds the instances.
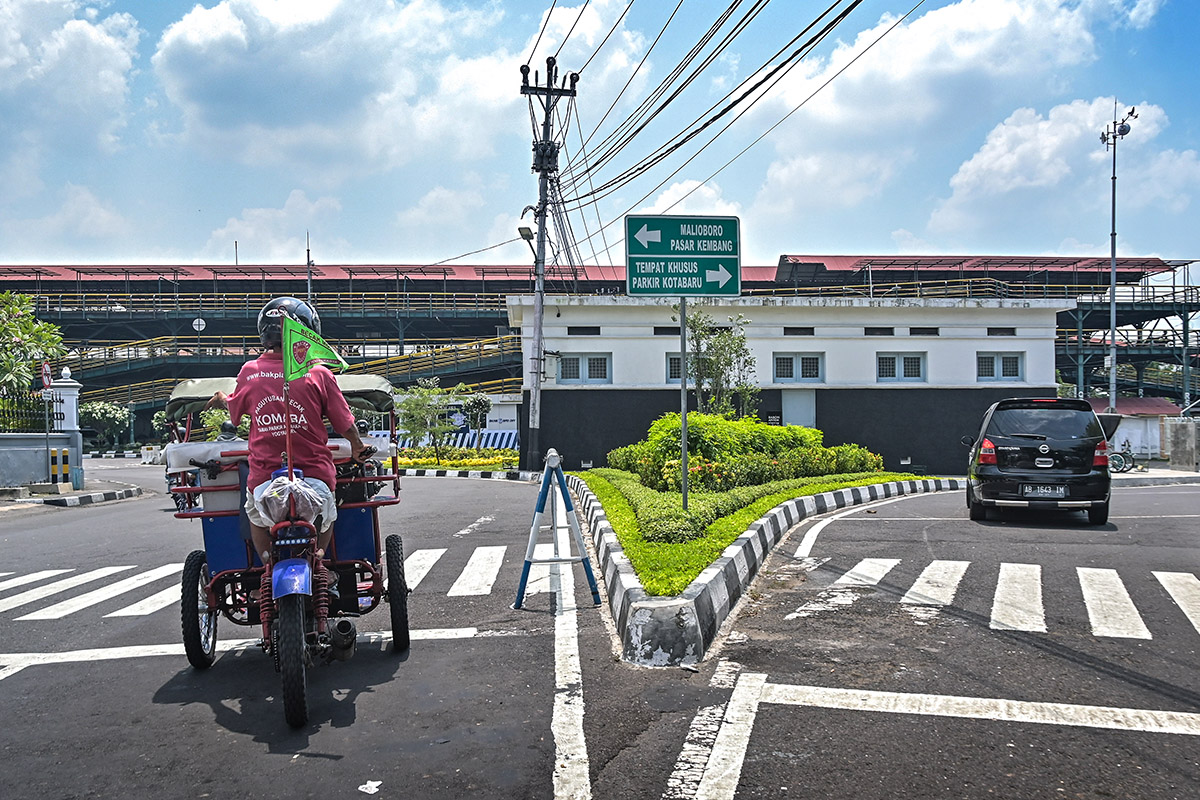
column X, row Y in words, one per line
column 305, row 606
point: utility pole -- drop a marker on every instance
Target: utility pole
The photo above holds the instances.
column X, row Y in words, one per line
column 545, row 161
column 308, row 258
column 1110, row 137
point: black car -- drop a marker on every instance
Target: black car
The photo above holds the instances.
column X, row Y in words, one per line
column 1039, row 453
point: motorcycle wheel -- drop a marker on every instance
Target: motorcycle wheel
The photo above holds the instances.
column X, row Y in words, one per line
column 199, row 621
column 397, row 592
column 179, row 499
column 293, row 656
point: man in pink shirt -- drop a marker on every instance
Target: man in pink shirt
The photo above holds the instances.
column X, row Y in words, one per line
column 312, row 399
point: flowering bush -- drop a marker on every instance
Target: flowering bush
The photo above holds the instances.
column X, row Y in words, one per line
column 456, row 458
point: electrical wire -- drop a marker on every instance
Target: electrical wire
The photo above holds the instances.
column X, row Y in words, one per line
column 578, row 17
column 538, row 41
column 611, row 30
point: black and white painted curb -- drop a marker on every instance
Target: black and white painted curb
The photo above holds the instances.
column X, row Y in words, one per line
column 672, row 631
column 496, row 475
column 85, row 499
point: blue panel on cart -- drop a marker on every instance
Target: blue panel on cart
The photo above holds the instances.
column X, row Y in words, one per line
column 224, row 544
column 354, row 534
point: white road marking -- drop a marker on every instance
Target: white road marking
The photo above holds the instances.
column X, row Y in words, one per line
column 810, row 536
column 986, row 708
column 844, row 591
column 1109, row 607
column 170, row 596
column 15, row 662
column 33, row 595
column 474, row 526
column 480, row 573
column 724, row 767
column 539, row 574
column 937, row 584
column 1017, row 605
column 684, row 782
column 418, row 564
column 32, row 577
column 60, row 610
column 571, row 764
column 1184, row 589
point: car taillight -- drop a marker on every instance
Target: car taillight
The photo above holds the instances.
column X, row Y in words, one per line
column 987, row 452
column 1100, row 459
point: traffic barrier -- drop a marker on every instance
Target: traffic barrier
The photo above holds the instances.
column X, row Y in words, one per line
column 60, row 465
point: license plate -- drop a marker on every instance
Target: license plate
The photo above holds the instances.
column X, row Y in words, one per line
column 1038, row 490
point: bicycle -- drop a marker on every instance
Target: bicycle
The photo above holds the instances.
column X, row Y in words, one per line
column 1123, row 460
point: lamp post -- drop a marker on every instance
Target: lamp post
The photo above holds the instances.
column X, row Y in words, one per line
column 1110, row 136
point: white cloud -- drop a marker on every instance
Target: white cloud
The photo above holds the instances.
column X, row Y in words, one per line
column 278, row 235
column 1035, row 167
column 689, row 197
column 77, row 225
column 64, row 82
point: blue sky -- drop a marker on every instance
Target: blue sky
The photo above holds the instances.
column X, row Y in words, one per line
column 153, row 131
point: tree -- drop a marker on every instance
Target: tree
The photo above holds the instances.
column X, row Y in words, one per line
column 109, row 419
column 475, row 409
column 25, row 342
column 424, row 412
column 721, row 366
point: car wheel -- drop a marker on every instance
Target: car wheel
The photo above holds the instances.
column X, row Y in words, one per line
column 1098, row 515
column 975, row 510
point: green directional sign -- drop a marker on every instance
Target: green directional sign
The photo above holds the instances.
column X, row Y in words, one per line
column 682, row 256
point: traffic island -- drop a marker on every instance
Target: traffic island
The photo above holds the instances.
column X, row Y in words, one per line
column 677, row 631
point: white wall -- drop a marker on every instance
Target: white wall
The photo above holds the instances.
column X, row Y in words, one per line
column 639, row 356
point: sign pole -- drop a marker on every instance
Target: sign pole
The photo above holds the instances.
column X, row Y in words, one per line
column 46, row 381
column 683, row 450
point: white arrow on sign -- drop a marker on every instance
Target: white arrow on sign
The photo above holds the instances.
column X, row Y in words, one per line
column 646, row 236
column 720, row 275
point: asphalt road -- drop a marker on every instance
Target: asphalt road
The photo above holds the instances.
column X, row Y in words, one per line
column 906, row 603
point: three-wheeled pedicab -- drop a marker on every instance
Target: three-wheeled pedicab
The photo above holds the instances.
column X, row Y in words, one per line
column 305, row 606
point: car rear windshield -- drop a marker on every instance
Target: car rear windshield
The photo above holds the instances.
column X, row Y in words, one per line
column 1052, row 422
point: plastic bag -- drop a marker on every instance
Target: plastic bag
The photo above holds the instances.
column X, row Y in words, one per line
column 273, row 500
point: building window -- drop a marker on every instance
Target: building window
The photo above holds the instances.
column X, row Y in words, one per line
column 900, row 367
column 1002, row 331
column 666, row 330
column 801, row 331
column 799, row 367
column 879, row 331
column 585, row 368
column 583, row 330
column 924, row 332
column 674, row 367
column 1000, row 366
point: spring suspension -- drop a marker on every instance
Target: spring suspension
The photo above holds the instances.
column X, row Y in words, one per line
column 266, row 603
column 321, row 597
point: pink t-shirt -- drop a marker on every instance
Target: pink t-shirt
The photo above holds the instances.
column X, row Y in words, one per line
column 313, row 398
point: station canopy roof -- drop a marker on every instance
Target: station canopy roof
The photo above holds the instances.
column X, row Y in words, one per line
column 854, row 270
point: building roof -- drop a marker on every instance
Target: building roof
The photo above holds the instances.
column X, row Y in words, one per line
column 834, row 270
column 1138, row 406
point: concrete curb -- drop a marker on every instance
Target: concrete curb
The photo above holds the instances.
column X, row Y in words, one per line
column 670, row 631
column 85, row 499
column 496, row 475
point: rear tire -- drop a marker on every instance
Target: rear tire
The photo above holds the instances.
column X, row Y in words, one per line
column 1098, row 515
column 199, row 621
column 975, row 509
column 397, row 592
column 293, row 657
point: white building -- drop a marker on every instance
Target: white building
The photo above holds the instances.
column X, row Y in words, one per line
column 905, row 377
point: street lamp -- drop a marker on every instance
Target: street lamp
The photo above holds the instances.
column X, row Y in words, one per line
column 1110, row 136
column 533, row 449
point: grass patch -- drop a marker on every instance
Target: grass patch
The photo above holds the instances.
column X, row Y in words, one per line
column 666, row 568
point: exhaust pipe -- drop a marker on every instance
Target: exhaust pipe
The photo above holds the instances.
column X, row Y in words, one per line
column 342, row 639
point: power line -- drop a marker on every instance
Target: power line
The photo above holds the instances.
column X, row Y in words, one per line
column 545, row 24
column 606, row 36
column 578, row 17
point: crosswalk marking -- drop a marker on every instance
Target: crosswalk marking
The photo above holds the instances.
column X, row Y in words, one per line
column 1017, row 605
column 868, row 572
column 1110, row 609
column 32, row 577
column 155, row 602
column 480, row 573
column 1184, row 589
column 418, row 564
column 937, row 584
column 34, row 595
column 60, row 610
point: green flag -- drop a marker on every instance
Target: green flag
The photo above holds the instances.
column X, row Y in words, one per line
column 302, row 348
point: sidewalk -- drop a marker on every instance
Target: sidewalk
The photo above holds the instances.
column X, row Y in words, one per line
column 94, row 491
column 1154, row 476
